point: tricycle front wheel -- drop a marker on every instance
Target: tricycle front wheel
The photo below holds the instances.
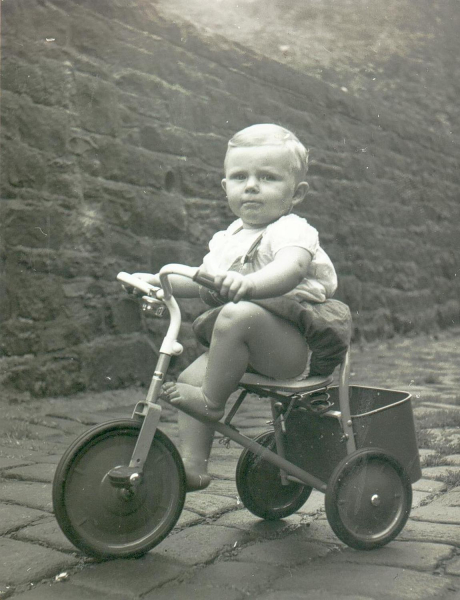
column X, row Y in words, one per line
column 260, row 487
column 368, row 499
column 116, row 522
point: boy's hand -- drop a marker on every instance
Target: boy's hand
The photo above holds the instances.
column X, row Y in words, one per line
column 234, row 286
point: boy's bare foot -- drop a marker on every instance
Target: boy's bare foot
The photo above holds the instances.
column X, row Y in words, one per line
column 190, row 397
column 196, row 481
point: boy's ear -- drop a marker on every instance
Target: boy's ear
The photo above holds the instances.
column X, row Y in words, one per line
column 223, row 183
column 300, row 192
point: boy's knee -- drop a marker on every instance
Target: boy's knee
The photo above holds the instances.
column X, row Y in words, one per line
column 236, row 314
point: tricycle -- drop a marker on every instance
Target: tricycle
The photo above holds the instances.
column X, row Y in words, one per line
column 120, row 488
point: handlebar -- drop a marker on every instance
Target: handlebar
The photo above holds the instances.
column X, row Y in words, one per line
column 193, row 273
column 206, row 280
column 137, row 283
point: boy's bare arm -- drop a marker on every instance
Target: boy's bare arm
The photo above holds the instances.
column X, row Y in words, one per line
column 280, row 276
column 182, row 287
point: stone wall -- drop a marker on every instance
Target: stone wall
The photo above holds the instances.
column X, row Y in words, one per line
column 114, row 128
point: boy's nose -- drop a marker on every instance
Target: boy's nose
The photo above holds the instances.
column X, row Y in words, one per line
column 252, row 183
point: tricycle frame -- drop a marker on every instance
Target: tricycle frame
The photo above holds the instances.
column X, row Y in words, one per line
column 122, row 488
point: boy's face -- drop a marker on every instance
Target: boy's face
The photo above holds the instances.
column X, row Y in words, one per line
column 260, row 184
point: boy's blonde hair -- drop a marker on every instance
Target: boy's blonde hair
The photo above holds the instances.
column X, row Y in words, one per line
column 268, row 134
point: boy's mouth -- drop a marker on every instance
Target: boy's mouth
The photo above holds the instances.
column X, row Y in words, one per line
column 251, row 203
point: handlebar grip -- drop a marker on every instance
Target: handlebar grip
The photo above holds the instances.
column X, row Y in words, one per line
column 139, row 284
column 206, row 280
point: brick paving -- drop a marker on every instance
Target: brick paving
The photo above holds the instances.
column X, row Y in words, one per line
column 218, row 549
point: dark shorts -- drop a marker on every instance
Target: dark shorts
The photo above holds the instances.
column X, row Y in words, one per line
column 326, row 326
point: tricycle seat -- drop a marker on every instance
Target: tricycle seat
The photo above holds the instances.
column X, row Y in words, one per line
column 310, row 384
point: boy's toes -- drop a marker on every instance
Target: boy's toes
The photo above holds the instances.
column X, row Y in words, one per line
column 169, row 391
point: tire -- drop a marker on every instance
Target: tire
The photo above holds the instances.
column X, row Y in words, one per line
column 260, row 488
column 368, row 499
column 105, row 521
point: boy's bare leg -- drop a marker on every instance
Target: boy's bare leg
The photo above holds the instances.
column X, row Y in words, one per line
column 195, row 437
column 244, row 333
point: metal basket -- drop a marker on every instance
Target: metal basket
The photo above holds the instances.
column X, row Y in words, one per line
column 381, row 419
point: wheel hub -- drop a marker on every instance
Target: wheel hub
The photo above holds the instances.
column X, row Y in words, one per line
column 120, row 501
column 375, row 500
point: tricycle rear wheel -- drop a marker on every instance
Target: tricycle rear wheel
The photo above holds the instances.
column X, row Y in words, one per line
column 260, row 488
column 112, row 522
column 368, row 499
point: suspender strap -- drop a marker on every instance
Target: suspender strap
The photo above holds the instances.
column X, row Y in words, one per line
column 248, row 257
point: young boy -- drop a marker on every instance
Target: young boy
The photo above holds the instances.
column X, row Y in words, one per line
column 267, row 253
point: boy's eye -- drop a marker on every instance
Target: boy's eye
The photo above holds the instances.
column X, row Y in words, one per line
column 238, row 176
column 268, row 177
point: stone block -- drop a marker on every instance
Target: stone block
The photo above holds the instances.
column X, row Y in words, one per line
column 36, row 225
column 200, row 544
column 318, row 529
column 64, row 590
column 31, row 494
column 185, row 592
column 20, row 337
column 92, row 36
column 44, row 128
column 209, row 505
column 22, row 563
column 233, row 575
column 223, row 487
column 22, row 167
column 45, row 82
column 60, row 373
column 313, row 595
column 202, row 182
column 62, row 334
column 130, row 578
column 418, row 498
column 453, row 568
column 188, row 518
column 128, row 164
column 13, row 517
column 39, row 472
column 404, row 555
column 111, row 363
column 8, row 463
column 126, row 315
column 426, row 531
column 287, row 552
column 452, row 498
column 437, row 513
column 380, row 582
column 96, row 102
column 256, row 527
column 46, row 532
column 441, row 473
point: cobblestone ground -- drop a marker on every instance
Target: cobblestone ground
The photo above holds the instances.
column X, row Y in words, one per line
column 218, row 549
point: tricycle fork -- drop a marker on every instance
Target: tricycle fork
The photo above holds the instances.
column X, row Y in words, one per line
column 150, row 411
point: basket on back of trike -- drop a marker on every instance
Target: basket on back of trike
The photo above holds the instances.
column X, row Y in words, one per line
column 367, row 464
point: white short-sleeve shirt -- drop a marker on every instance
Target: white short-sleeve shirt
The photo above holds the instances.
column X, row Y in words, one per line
column 291, row 230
